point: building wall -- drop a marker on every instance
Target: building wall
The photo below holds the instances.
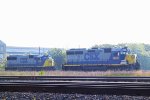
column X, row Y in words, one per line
column 25, row 50
column 2, row 50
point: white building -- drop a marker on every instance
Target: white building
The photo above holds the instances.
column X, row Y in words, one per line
column 2, row 50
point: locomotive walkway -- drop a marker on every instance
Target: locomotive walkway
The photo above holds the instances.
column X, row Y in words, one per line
column 77, row 84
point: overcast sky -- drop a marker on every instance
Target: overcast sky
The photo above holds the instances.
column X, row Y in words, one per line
column 74, row 23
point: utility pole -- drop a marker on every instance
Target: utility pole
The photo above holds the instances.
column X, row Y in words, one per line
column 39, row 51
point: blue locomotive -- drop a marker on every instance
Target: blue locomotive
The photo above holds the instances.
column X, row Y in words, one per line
column 30, row 62
column 95, row 59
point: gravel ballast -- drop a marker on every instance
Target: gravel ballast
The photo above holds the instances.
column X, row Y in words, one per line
column 58, row 96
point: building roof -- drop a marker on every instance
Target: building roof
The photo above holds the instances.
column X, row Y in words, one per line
column 2, row 43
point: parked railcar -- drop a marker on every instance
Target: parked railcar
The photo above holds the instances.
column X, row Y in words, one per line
column 102, row 59
column 29, row 62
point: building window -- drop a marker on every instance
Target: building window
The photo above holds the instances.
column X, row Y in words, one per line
column 1, row 49
column 1, row 56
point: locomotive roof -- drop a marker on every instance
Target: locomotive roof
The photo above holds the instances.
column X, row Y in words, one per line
column 113, row 49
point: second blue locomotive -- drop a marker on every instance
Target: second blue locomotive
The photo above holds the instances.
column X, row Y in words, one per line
column 30, row 62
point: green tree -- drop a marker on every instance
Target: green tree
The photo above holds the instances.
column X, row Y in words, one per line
column 59, row 56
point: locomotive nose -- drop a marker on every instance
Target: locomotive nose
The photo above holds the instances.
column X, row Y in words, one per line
column 131, row 58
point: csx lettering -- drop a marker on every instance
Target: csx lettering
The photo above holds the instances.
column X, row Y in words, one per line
column 89, row 56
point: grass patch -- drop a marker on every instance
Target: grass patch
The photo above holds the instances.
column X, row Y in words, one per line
column 76, row 73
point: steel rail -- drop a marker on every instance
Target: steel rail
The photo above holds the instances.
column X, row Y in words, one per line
column 88, row 87
column 76, row 78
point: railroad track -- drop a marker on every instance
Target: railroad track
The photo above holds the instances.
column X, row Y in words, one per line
column 85, row 85
column 77, row 78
